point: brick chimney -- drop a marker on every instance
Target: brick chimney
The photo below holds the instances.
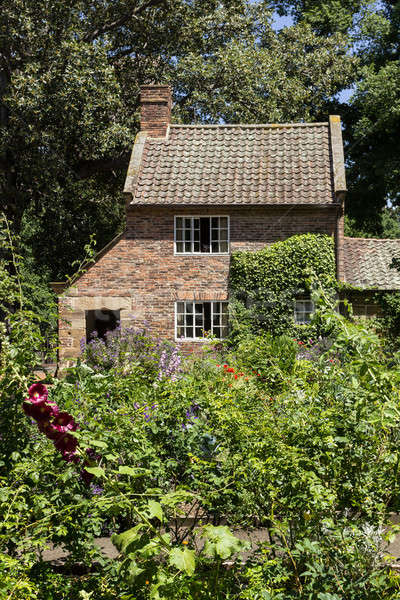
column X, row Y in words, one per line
column 155, row 109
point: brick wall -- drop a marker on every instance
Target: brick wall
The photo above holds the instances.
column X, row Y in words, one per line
column 140, row 276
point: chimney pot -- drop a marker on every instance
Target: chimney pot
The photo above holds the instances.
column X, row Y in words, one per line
column 155, row 109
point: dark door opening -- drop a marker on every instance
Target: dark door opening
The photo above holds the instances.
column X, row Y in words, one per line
column 101, row 321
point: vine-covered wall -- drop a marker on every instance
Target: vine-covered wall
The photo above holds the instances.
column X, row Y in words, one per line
column 265, row 284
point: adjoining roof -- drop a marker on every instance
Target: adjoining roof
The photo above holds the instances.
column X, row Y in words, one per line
column 367, row 263
column 236, row 165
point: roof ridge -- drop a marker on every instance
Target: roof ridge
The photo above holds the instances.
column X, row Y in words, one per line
column 250, row 125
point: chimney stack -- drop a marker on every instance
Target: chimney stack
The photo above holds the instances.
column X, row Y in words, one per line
column 155, row 109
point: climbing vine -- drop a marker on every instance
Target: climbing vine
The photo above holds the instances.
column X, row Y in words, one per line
column 265, row 284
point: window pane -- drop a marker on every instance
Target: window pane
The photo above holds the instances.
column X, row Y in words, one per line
column 198, row 308
column 189, row 320
column 217, row 332
column 214, row 247
column 223, row 247
column 199, row 320
column 179, row 234
column 180, row 332
column 180, row 319
column 224, row 332
column 189, row 307
column 199, row 332
column 188, row 246
column 216, row 319
column 196, row 234
column 196, row 223
column 180, row 307
column 214, row 222
column 223, row 222
column 223, row 234
column 196, row 246
column 188, row 235
column 224, row 319
column 205, row 234
column 178, row 222
column 189, row 332
column 188, row 223
column 179, row 246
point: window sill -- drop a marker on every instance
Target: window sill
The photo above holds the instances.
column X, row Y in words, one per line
column 202, row 253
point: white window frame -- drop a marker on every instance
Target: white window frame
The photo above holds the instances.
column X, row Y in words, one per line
column 192, row 240
column 303, row 301
column 193, row 327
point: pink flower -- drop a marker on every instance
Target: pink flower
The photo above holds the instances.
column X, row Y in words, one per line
column 38, row 390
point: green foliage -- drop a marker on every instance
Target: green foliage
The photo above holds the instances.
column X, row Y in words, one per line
column 21, row 342
column 265, row 284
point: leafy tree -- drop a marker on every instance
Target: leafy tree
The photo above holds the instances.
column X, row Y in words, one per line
column 372, row 117
column 70, row 74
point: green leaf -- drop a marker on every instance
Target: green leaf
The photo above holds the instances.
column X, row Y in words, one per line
column 96, row 471
column 111, row 457
column 127, row 471
column 98, row 443
column 155, row 510
column 122, row 540
column 220, row 542
column 183, row 560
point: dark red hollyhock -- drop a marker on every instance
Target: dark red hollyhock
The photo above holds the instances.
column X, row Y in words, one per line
column 86, row 477
column 66, row 421
column 49, row 430
column 66, row 443
column 92, row 454
column 38, row 390
column 71, row 457
column 40, row 410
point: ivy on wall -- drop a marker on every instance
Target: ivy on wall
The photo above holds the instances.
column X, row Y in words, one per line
column 265, row 284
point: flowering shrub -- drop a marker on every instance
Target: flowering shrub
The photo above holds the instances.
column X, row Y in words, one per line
column 56, row 425
column 299, row 441
column 127, row 349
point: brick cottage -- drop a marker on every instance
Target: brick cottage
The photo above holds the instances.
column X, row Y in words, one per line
column 196, row 193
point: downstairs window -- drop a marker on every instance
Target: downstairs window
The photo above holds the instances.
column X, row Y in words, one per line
column 303, row 311
column 196, row 320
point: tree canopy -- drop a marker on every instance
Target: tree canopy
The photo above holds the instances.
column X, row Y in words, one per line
column 70, row 73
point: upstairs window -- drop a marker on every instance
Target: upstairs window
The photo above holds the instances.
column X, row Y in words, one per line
column 303, row 311
column 198, row 235
column 194, row 320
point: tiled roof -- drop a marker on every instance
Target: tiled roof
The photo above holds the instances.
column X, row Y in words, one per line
column 367, row 263
column 234, row 164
